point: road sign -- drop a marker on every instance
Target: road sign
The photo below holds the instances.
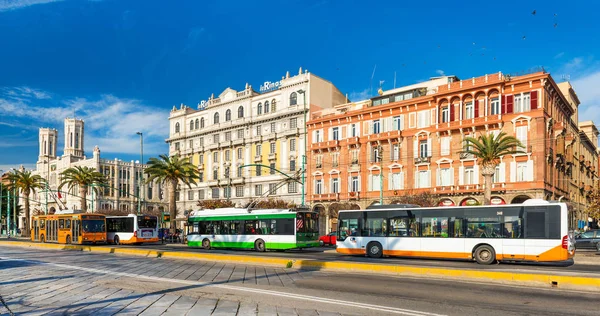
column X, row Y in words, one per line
column 166, row 217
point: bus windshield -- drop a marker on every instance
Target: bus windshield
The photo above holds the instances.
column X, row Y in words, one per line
column 310, row 223
column 93, row 226
column 147, row 221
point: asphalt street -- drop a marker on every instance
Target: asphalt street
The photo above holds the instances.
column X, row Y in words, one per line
column 55, row 282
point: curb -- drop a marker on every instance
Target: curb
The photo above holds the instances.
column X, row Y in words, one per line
column 520, row 278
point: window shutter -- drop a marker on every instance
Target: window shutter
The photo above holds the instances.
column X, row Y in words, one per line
column 530, row 170
column 502, row 174
column 503, row 105
column 349, row 183
column 370, row 182
column 461, row 175
column 476, row 174
column 451, row 109
column 451, row 176
column 315, row 187
column 402, row 122
column 438, row 178
column 429, row 149
column 434, row 116
column 513, row 171
column 509, row 103
column 329, row 134
column 412, row 120
column 416, row 147
column 389, row 122
column 343, row 132
column 401, row 180
column 429, row 178
column 357, row 129
column 390, row 181
column 366, row 127
column 359, row 183
column 416, row 179
column 331, row 184
column 476, row 108
column 534, row 99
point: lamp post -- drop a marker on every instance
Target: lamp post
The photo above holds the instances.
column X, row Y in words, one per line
column 380, row 157
column 140, row 190
column 305, row 149
column 47, row 183
column 1, row 197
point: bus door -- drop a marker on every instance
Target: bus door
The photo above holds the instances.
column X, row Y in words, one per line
column 513, row 244
column 349, row 239
column 36, row 230
column 76, row 230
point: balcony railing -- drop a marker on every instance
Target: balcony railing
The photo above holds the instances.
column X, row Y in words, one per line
column 466, row 156
column 258, row 158
column 419, row 160
column 326, row 197
column 272, row 156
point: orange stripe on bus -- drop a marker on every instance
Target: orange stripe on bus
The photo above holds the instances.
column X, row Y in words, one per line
column 351, row 251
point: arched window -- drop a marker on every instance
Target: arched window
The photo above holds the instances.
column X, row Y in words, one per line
column 216, row 120
column 202, row 123
column 197, row 126
column 259, row 109
column 227, row 115
column 240, row 112
column 176, row 131
column 273, row 108
column 191, row 125
column 266, row 106
column 293, row 98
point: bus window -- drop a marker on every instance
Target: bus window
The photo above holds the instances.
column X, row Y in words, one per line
column 264, row 226
column 250, row 227
column 488, row 227
column 398, row 227
column 147, row 222
column 311, row 222
column 68, row 224
column 375, row 227
column 61, row 223
column 235, row 227
column 284, row 226
column 42, row 223
column 456, row 227
column 434, row 226
column 512, row 227
column 348, row 227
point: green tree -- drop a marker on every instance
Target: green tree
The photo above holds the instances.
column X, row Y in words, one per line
column 488, row 149
column 423, row 199
column 170, row 171
column 82, row 178
column 593, row 207
column 273, row 203
column 213, row 204
column 25, row 182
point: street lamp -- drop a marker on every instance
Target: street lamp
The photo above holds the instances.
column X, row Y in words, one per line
column 140, row 190
column 1, row 197
column 303, row 92
column 380, row 157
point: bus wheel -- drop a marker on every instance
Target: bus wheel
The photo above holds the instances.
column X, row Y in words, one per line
column 374, row 250
column 259, row 245
column 206, row 244
column 42, row 239
column 485, row 254
column 116, row 240
column 68, row 240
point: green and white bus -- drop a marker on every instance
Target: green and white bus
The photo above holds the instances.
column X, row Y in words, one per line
column 259, row 229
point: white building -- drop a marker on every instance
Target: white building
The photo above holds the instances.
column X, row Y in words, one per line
column 239, row 128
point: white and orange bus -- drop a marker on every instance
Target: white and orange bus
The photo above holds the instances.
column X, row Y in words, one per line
column 73, row 228
column 132, row 229
column 536, row 230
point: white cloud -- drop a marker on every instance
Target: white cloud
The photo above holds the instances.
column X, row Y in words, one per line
column 559, row 55
column 440, row 72
column 360, row 95
column 587, row 90
column 8, row 5
column 6, row 167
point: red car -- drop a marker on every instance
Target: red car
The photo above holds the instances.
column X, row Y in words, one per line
column 328, row 240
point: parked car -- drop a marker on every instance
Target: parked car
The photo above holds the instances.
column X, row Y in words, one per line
column 328, row 240
column 588, row 240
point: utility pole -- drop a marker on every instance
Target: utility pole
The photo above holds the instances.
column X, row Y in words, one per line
column 303, row 93
column 1, row 198
column 47, row 184
column 140, row 186
column 380, row 157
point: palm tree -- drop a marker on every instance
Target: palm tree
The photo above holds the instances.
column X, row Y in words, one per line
column 83, row 178
column 172, row 170
column 26, row 183
column 489, row 149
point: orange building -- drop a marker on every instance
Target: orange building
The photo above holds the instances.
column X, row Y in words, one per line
column 413, row 136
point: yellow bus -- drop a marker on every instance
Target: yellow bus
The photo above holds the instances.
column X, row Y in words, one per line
column 81, row 228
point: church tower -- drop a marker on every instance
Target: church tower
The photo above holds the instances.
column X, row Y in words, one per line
column 74, row 137
column 48, row 143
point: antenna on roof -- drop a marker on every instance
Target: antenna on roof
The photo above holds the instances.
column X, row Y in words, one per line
column 566, row 77
column 394, row 80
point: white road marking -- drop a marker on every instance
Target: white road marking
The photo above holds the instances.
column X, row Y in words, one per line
column 393, row 310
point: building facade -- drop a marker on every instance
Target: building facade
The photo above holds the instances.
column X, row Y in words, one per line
column 413, row 138
column 247, row 144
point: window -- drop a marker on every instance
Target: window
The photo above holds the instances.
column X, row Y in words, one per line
column 292, row 187
column 348, row 227
column 469, row 177
column 227, row 136
column 227, row 115
column 434, row 226
column 335, row 159
column 201, row 194
column 238, row 172
column 335, row 185
column 201, row 176
column 240, row 133
column 495, row 106
column 353, row 132
column 240, row 111
column 191, row 143
column 227, row 192
column 293, row 122
column 293, row 144
column 292, row 165
column 375, row 182
column 376, row 127
column 397, row 123
column 259, row 109
column 258, row 171
column 397, row 181
column 177, row 146
column 273, row 130
column 201, row 141
column 446, row 177
column 445, row 146
column 272, row 168
column 423, row 119
column 216, row 138
column 216, row 157
column 423, row 148
column 216, row 118
column 469, row 110
column 197, row 125
column 202, row 123
column 354, row 157
column 293, row 98
column 318, row 137
column 191, row 125
column 522, row 135
column 521, row 171
column 258, row 130
column 423, row 179
column 319, row 186
column 446, row 114
column 215, row 193
column 522, row 103
column 259, row 150
column 354, row 184
column 272, row 188
column 202, row 159
column 375, row 154
column 319, row 159
column 395, row 152
column 336, row 133
column 215, row 174
column 267, row 107
column 496, row 177
column 227, row 155
column 258, row 189
column 273, row 107
column 176, row 127
column 374, row 227
column 240, row 153
column 272, row 148
column 190, row 195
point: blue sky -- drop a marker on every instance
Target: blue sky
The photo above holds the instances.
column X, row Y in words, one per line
column 122, row 65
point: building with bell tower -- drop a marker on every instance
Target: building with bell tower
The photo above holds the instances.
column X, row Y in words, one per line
column 74, row 129
column 48, row 143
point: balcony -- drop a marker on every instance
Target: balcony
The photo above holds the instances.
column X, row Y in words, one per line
column 466, row 156
column 273, row 156
column 351, row 141
column 326, row 197
column 258, row 158
column 350, row 196
column 384, row 135
column 325, row 145
column 201, row 167
column 238, row 180
column 420, row 160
